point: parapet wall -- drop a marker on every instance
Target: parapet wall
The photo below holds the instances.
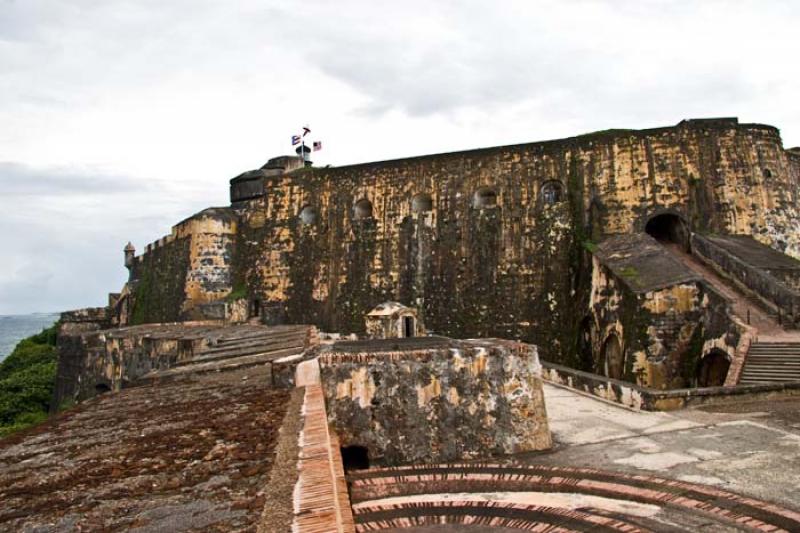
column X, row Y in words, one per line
column 435, row 400
column 777, row 288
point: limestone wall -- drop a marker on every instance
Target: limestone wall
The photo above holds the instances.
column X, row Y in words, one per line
column 188, row 268
column 445, row 402
column 516, row 268
column 663, row 330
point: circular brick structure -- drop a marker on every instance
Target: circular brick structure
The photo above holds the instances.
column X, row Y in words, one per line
column 497, row 497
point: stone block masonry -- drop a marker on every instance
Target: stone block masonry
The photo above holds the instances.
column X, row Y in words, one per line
column 435, row 399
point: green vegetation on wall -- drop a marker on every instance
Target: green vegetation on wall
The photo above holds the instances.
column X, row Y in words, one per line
column 27, row 377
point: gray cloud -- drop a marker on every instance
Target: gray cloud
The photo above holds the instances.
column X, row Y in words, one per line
column 18, row 179
column 121, row 117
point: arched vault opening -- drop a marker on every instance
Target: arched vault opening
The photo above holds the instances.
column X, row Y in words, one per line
column 668, row 228
column 713, row 369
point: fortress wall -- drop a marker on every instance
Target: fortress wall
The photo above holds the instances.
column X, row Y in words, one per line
column 191, row 266
column 515, row 270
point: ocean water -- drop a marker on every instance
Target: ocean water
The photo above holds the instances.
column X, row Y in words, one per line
column 14, row 328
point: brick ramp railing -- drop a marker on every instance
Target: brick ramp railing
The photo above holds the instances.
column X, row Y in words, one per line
column 321, row 501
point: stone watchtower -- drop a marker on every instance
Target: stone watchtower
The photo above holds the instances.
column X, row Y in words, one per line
column 130, row 253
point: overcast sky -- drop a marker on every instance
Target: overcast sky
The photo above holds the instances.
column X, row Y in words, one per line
column 119, row 118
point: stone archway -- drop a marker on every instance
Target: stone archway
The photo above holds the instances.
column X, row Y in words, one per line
column 668, row 227
column 613, row 359
column 713, row 369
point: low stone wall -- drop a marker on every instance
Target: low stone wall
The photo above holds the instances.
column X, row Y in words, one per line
column 424, row 400
column 636, row 397
column 93, row 360
column 774, row 292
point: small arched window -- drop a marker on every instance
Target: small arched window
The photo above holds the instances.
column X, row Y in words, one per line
column 308, row 215
column 767, row 173
column 421, row 203
column 363, row 209
column 552, row 192
column 484, row 197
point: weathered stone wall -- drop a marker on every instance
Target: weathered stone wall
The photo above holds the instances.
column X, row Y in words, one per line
column 184, row 270
column 108, row 360
column 72, row 363
column 450, row 400
column 664, row 318
column 468, row 238
column 517, row 267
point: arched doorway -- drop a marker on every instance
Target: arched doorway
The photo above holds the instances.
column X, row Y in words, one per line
column 585, row 345
column 613, row 358
column 713, row 369
column 668, row 227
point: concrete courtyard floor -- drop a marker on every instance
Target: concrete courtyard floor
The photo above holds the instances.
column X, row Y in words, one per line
column 752, row 448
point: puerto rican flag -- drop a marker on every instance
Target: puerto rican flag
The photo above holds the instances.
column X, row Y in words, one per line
column 295, row 140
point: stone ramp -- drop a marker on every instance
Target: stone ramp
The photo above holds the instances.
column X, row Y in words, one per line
column 774, row 357
column 745, row 307
column 241, row 347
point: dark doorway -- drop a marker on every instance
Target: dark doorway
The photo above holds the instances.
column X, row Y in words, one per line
column 101, row 388
column 408, row 326
column 355, row 457
column 668, row 228
column 585, row 345
column 713, row 369
column 613, row 360
column 255, row 309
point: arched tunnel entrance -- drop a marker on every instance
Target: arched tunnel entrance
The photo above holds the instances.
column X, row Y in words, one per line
column 613, row 358
column 668, row 228
column 713, row 369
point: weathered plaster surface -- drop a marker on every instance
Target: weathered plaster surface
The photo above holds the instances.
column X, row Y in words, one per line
column 458, row 400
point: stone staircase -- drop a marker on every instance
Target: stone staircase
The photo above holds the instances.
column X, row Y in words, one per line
column 771, row 362
column 241, row 347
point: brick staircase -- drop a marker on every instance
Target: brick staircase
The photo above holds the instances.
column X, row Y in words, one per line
column 771, row 362
column 504, row 497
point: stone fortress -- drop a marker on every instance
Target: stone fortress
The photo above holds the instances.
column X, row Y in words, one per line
column 586, row 247
column 404, row 317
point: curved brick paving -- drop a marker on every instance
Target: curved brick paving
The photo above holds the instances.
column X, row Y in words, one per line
column 389, row 498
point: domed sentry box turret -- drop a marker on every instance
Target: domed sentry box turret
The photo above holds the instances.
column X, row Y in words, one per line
column 249, row 185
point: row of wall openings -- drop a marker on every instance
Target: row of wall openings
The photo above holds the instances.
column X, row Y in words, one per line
column 551, row 193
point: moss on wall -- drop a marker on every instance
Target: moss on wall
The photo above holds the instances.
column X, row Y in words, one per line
column 159, row 289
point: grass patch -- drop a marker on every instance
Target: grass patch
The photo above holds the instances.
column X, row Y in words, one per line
column 27, row 378
column 629, row 272
column 590, row 246
column 238, row 292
